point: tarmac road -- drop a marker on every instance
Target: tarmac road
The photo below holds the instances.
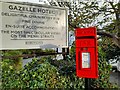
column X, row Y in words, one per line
column 25, row 61
column 115, row 78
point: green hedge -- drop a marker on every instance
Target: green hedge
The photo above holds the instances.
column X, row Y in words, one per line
column 48, row 73
column 38, row 74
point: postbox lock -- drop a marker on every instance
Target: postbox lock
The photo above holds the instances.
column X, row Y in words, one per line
column 85, row 49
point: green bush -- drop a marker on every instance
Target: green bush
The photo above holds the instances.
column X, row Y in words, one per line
column 104, row 72
column 13, row 59
column 48, row 73
column 39, row 74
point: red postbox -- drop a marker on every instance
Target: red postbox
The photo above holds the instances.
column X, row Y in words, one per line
column 86, row 52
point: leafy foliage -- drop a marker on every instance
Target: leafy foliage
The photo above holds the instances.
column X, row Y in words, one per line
column 38, row 74
column 112, row 51
column 48, row 73
column 104, row 72
column 15, row 62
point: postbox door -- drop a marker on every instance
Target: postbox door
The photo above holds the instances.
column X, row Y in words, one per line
column 86, row 62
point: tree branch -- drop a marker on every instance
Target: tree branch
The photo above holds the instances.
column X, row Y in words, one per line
column 117, row 14
column 115, row 39
column 106, row 34
column 113, row 7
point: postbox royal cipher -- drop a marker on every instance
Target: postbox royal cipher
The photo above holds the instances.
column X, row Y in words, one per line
column 86, row 52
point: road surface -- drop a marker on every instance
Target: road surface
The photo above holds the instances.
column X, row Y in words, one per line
column 115, row 78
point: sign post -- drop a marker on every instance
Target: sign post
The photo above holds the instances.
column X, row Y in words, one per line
column 86, row 54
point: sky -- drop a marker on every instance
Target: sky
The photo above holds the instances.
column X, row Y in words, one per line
column 32, row 1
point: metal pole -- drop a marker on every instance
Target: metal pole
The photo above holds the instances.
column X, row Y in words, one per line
column 68, row 51
column 87, row 84
column 57, row 50
column 63, row 51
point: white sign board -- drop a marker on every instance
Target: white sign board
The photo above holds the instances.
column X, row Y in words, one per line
column 32, row 26
column 85, row 60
